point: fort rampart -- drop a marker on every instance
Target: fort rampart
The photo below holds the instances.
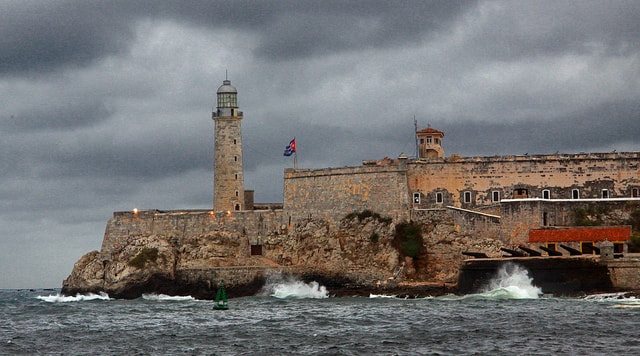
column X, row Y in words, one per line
column 488, row 180
column 331, row 193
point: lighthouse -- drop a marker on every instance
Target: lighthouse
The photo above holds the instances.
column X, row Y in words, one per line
column 228, row 176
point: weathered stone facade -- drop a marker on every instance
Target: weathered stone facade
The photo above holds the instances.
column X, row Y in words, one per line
column 480, row 182
column 228, row 184
column 332, row 193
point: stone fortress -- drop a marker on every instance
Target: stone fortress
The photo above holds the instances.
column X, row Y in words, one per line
column 461, row 204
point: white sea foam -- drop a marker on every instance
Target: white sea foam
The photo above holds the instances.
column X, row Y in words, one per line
column 511, row 282
column 281, row 288
column 58, row 298
column 162, row 297
column 373, row 296
column 620, row 300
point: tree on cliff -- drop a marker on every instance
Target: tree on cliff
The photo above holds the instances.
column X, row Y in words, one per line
column 408, row 239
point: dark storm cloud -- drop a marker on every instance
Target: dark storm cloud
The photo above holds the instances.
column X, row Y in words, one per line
column 527, row 29
column 605, row 125
column 40, row 37
column 41, row 116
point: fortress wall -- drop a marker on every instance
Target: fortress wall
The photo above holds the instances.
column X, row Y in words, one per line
column 520, row 215
column 334, row 192
column 187, row 224
column 590, row 173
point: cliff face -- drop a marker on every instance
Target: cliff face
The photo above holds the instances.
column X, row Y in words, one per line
column 190, row 252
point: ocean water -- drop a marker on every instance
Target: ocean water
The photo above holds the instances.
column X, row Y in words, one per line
column 293, row 318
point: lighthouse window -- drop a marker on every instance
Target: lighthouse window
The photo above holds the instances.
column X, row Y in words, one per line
column 235, row 158
column 235, row 141
column 236, row 177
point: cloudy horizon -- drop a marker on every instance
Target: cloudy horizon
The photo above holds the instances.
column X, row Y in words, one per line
column 107, row 104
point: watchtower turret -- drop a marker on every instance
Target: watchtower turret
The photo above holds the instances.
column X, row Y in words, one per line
column 430, row 143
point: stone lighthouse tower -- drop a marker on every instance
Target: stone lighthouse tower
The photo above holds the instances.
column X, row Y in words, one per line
column 228, row 177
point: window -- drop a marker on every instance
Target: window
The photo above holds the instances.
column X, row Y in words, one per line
column 618, row 247
column 235, row 141
column 422, row 141
column 546, row 194
column 520, row 193
column 235, row 158
column 428, row 139
column 587, row 248
column 237, row 194
column 495, row 196
column 236, row 175
column 416, row 198
column 437, row 141
column 575, row 194
column 551, row 246
column 237, row 206
column 467, row 197
column 605, row 194
column 439, row 199
column 635, row 192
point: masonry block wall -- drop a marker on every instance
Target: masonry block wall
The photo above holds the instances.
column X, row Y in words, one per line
column 334, row 192
column 521, row 215
column 487, row 180
column 188, row 224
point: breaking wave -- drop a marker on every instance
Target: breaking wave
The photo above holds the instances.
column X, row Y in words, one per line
column 281, row 288
column 620, row 300
column 163, row 297
column 58, row 298
column 511, row 282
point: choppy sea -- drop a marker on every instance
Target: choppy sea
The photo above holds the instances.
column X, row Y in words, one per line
column 293, row 318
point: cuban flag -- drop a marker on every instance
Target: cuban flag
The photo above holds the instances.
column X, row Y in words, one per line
column 291, row 148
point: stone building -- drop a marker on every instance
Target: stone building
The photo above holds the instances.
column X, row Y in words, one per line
column 228, row 183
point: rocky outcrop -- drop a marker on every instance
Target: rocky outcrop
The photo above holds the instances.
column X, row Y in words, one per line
column 190, row 252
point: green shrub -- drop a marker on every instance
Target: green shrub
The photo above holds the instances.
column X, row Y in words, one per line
column 634, row 244
column 147, row 254
column 408, row 239
column 368, row 214
column 582, row 217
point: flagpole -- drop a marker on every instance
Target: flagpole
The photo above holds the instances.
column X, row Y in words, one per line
column 295, row 159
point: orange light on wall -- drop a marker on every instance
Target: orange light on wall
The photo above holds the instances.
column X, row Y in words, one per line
column 135, row 211
column 228, row 212
column 212, row 214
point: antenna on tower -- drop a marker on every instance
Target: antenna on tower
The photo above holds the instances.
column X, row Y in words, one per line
column 415, row 134
column 226, row 75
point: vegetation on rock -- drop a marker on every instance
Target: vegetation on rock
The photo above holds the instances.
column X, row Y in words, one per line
column 590, row 216
column 147, row 254
column 408, row 239
column 634, row 221
column 368, row 214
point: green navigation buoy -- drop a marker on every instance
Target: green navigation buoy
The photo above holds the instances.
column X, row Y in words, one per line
column 221, row 298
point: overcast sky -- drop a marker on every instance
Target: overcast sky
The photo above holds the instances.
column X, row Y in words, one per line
column 106, row 105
